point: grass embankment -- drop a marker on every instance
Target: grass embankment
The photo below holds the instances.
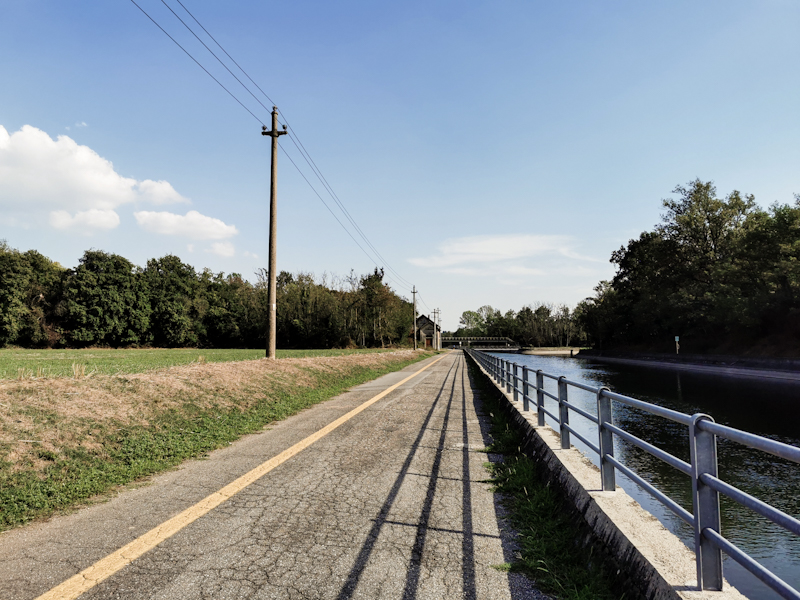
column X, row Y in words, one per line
column 549, row 537
column 66, row 440
column 19, row 363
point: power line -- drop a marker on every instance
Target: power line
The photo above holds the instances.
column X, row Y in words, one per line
column 425, row 303
column 321, row 199
column 196, row 62
column 295, row 138
column 212, row 52
column 333, row 194
column 226, row 53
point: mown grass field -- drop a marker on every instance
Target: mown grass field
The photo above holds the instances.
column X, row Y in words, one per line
column 23, row 364
column 66, row 440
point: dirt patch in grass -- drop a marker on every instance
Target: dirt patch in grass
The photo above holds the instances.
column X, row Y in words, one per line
column 63, row 440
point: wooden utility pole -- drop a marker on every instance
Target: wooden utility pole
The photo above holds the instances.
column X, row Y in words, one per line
column 272, row 290
column 414, row 292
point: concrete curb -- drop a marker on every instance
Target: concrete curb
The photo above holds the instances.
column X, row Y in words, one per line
column 657, row 565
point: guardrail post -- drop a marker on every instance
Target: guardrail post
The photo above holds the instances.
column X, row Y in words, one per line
column 515, row 383
column 563, row 412
column 703, row 450
column 508, row 376
column 502, row 372
column 526, row 401
column 606, row 439
column 539, row 398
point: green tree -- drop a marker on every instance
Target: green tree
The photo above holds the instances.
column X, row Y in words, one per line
column 472, row 324
column 173, row 287
column 29, row 294
column 106, row 302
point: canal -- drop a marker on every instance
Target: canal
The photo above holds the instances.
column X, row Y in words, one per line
column 763, row 407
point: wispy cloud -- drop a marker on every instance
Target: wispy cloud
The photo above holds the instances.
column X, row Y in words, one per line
column 224, row 249
column 512, row 259
column 484, row 249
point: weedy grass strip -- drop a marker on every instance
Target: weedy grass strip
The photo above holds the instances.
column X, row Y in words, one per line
column 96, row 455
column 551, row 551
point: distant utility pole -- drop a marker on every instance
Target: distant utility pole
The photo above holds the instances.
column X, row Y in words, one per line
column 439, row 333
column 435, row 336
column 414, row 292
column 272, row 291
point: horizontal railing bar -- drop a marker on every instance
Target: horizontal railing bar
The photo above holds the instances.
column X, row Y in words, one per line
column 549, row 414
column 582, row 386
column 549, row 395
column 752, row 440
column 581, row 438
column 551, row 376
column 665, row 500
column 672, row 415
column 668, row 458
column 757, row 569
column 583, row 413
column 773, row 514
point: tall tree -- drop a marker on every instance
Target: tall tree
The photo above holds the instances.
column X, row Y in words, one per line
column 106, row 302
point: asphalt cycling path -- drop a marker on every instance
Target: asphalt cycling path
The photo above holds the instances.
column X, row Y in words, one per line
column 357, row 497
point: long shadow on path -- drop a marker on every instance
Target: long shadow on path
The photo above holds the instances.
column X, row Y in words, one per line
column 357, row 571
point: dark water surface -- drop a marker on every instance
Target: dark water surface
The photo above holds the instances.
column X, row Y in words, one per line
column 764, row 407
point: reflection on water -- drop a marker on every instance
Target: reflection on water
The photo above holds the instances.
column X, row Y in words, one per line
column 767, row 408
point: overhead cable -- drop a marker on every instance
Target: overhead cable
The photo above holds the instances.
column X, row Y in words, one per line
column 197, row 62
column 321, row 199
column 294, row 137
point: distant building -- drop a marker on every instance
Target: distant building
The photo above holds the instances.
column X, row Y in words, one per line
column 429, row 334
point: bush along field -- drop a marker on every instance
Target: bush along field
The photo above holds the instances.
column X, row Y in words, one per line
column 550, row 550
column 66, row 440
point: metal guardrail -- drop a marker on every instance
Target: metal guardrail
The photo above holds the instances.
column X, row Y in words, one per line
column 706, row 486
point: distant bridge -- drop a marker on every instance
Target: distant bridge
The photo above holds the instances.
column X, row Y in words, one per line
column 484, row 343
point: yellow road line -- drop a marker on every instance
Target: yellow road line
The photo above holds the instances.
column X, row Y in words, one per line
column 106, row 567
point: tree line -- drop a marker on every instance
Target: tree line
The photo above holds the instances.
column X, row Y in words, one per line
column 108, row 301
column 539, row 324
column 722, row 274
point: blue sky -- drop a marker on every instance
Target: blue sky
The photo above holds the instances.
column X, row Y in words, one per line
column 494, row 152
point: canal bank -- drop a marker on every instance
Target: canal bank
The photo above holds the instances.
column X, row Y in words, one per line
column 779, row 369
column 768, row 408
column 656, row 563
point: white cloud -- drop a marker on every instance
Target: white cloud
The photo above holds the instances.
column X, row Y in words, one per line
column 81, row 124
column 85, row 221
column 482, row 249
column 249, row 254
column 160, row 192
column 514, row 259
column 192, row 225
column 225, row 249
column 40, row 176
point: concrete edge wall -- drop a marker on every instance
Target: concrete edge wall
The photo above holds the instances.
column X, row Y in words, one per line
column 656, row 563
